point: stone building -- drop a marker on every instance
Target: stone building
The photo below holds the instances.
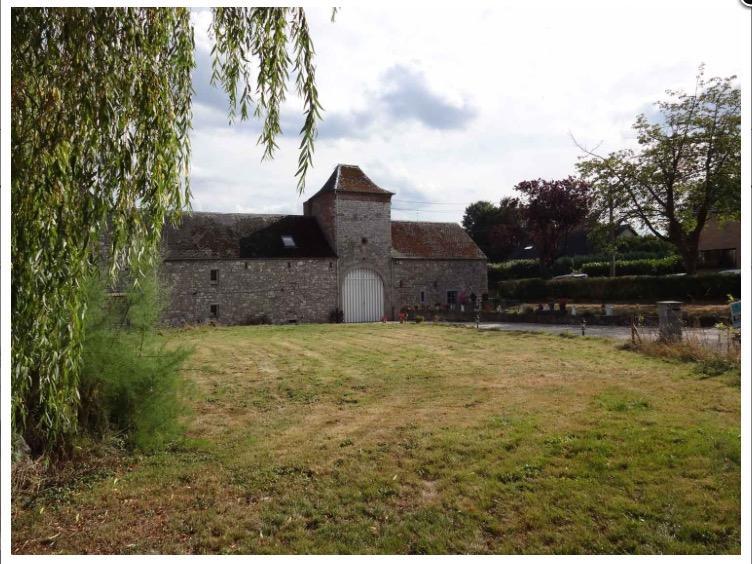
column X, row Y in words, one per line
column 344, row 256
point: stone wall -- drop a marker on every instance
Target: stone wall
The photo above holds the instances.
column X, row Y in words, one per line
column 435, row 278
column 247, row 291
column 364, row 237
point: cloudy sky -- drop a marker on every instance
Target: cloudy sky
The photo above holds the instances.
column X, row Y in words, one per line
column 446, row 106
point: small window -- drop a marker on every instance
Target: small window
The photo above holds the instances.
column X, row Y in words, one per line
column 422, row 296
column 214, row 308
column 451, row 297
column 288, row 241
column 214, row 275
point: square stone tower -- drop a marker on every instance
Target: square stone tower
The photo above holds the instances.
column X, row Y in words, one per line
column 355, row 216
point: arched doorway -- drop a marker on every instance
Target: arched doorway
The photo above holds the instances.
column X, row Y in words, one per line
column 362, row 296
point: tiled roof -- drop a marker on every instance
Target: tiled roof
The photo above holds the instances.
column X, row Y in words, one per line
column 419, row 239
column 349, row 178
column 244, row 236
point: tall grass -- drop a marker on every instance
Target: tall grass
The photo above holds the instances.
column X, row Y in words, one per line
column 130, row 383
column 713, row 355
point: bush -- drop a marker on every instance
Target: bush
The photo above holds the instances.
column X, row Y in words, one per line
column 130, row 384
column 633, row 263
column 623, row 288
column 419, row 319
column 647, row 267
column 513, row 269
column 645, row 244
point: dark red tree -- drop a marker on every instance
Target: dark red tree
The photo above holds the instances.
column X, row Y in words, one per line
column 553, row 209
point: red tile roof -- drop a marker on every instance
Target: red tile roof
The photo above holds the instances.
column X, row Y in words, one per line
column 420, row 239
column 349, row 178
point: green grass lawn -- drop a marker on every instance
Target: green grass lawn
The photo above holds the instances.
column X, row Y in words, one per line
column 417, row 439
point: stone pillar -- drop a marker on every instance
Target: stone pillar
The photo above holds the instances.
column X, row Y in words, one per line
column 669, row 321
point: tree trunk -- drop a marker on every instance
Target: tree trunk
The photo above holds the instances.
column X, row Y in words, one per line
column 612, row 236
column 689, row 258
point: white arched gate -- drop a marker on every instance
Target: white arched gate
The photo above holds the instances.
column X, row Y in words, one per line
column 362, row 296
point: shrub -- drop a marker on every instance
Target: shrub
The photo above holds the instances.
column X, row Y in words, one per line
column 649, row 244
column 633, row 263
column 712, row 358
column 623, row 288
column 419, row 319
column 648, row 267
column 130, row 382
column 513, row 269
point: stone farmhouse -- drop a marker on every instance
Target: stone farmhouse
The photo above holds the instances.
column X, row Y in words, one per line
column 344, row 257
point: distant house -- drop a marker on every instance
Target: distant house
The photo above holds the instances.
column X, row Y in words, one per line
column 720, row 244
column 577, row 243
column 345, row 254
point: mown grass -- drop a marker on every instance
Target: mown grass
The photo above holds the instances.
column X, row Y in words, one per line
column 418, row 439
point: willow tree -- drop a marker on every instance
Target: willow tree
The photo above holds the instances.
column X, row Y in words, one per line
column 100, row 117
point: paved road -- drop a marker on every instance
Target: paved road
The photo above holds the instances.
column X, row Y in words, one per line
column 709, row 335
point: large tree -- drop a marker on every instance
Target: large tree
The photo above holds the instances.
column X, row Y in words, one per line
column 553, row 209
column 100, row 116
column 610, row 210
column 497, row 230
column 687, row 166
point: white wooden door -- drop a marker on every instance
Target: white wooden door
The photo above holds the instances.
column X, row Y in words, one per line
column 362, row 296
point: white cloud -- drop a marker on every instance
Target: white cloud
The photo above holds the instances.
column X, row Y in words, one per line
column 441, row 105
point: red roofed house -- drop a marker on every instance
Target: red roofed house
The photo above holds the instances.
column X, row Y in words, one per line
column 345, row 254
column 720, row 244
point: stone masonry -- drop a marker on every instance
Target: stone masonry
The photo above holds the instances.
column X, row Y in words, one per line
column 253, row 291
column 250, row 268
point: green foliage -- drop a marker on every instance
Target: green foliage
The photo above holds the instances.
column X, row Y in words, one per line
column 100, row 116
column 513, row 270
column 100, row 113
column 263, row 35
column 652, row 246
column 632, row 263
column 130, row 383
column 497, row 230
column 687, row 168
column 623, row 288
column 650, row 267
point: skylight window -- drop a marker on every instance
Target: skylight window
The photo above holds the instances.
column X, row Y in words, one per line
column 288, row 241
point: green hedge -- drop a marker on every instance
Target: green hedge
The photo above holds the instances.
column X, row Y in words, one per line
column 643, row 267
column 635, row 263
column 624, row 288
column 513, row 270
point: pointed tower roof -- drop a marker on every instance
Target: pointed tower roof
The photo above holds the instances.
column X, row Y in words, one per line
column 349, row 178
